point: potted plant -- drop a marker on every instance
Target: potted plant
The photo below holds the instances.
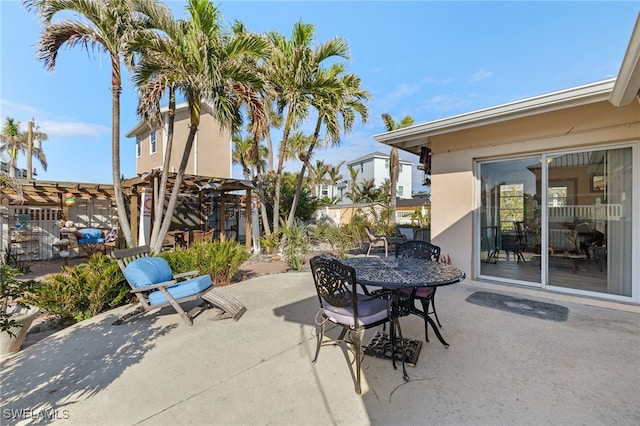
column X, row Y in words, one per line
column 15, row 317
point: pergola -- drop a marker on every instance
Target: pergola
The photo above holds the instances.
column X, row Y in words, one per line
column 51, row 193
column 193, row 185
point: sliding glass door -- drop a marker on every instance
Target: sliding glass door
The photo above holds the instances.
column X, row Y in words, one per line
column 561, row 220
column 510, row 219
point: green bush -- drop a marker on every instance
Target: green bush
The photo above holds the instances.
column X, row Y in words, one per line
column 340, row 238
column 296, row 245
column 221, row 260
column 82, row 291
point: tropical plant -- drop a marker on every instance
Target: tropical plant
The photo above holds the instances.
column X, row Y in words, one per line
column 12, row 293
column 200, row 60
column 394, row 158
column 270, row 242
column 104, row 25
column 14, row 141
column 340, row 238
column 221, row 260
column 243, row 154
column 419, row 219
column 83, row 291
column 296, row 245
column 341, row 99
column 292, row 68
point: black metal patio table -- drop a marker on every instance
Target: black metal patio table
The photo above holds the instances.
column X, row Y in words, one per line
column 397, row 274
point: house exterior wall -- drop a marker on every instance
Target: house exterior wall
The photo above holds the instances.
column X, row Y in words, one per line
column 210, row 154
column 454, row 154
column 376, row 167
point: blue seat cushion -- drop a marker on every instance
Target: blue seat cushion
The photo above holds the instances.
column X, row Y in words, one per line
column 147, row 271
column 369, row 311
column 89, row 236
column 183, row 289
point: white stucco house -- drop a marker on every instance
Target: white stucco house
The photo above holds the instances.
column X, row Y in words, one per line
column 542, row 193
column 376, row 166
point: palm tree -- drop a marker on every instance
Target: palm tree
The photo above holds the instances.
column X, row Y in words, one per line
column 243, row 154
column 14, row 141
column 318, row 175
column 106, row 26
column 338, row 97
column 291, row 68
column 394, row 159
column 197, row 58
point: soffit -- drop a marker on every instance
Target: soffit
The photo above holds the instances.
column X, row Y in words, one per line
column 412, row 138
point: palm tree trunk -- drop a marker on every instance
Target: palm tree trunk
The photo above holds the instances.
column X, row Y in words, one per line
column 278, row 187
column 296, row 196
column 162, row 191
column 175, row 191
column 116, row 88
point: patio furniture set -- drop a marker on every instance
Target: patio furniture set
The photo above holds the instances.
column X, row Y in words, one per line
column 345, row 298
column 356, row 294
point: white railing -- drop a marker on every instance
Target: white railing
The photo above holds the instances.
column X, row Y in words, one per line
column 590, row 212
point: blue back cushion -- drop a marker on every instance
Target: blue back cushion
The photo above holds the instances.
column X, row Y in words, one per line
column 89, row 236
column 148, row 270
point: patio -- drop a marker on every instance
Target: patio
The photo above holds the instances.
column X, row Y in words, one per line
column 502, row 367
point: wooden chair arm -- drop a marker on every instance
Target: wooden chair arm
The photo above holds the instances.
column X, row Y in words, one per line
column 193, row 273
column 154, row 286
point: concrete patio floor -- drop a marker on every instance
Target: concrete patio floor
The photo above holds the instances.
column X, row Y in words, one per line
column 501, row 367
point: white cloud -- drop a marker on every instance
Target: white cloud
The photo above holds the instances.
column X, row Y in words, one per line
column 395, row 96
column 481, row 74
column 444, row 103
column 9, row 109
column 72, row 129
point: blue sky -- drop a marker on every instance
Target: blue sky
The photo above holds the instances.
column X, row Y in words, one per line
column 426, row 59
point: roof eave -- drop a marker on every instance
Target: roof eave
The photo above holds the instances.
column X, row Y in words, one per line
column 581, row 95
column 627, row 87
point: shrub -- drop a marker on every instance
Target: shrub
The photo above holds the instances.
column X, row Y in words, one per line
column 340, row 238
column 270, row 242
column 82, row 291
column 296, row 246
column 221, row 260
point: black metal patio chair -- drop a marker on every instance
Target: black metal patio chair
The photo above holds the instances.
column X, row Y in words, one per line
column 426, row 295
column 341, row 304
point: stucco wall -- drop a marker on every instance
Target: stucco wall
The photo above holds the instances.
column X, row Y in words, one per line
column 210, row 155
column 453, row 180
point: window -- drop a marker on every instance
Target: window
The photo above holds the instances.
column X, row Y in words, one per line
column 400, row 168
column 511, row 205
column 138, row 146
column 386, row 164
column 400, row 191
column 152, row 145
column 557, row 196
column 325, row 191
column 361, row 167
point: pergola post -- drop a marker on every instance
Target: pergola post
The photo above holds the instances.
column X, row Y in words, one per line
column 247, row 221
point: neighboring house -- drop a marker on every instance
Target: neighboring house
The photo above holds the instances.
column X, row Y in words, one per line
column 376, row 166
column 20, row 173
column 211, row 152
column 542, row 192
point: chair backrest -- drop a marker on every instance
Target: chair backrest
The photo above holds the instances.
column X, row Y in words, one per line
column 335, row 283
column 197, row 236
column 405, row 231
column 370, row 234
column 147, row 271
column 209, row 235
column 422, row 234
column 126, row 256
column 419, row 250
